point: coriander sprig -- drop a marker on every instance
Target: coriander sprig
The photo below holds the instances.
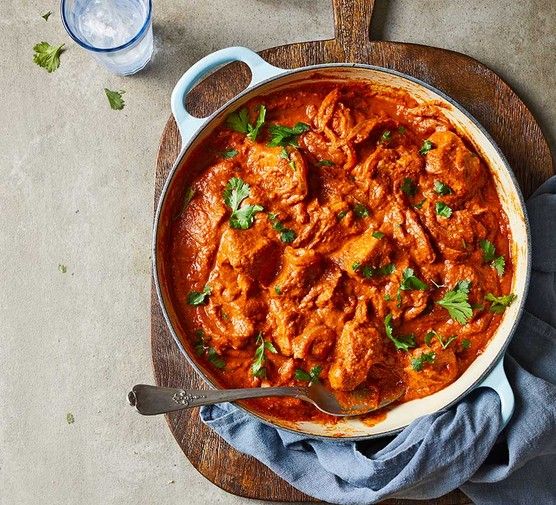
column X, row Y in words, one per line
column 235, row 192
column 456, row 302
column 258, row 368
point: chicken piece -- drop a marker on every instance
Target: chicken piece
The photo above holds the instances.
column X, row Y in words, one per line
column 425, row 118
column 316, row 340
column 455, row 165
column 326, row 110
column 277, row 178
column 320, row 147
column 284, row 319
column 357, row 349
column 421, row 248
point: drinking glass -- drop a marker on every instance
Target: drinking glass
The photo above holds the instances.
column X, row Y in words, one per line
column 118, row 33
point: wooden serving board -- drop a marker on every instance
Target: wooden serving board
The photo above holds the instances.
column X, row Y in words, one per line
column 476, row 87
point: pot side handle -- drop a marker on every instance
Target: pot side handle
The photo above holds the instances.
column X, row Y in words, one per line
column 498, row 381
column 260, row 70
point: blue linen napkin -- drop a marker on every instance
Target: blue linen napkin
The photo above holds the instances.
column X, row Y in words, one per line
column 457, row 448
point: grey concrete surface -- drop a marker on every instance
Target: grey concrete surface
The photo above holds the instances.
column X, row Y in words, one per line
column 77, row 189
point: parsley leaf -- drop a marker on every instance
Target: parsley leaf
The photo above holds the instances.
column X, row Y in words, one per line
column 286, row 136
column 229, row 153
column 360, row 210
column 377, row 234
column 456, row 302
column 326, row 163
column 47, row 56
column 287, row 235
column 499, row 264
column 443, row 210
column 46, row 15
column 418, row 362
column 410, row 281
column 401, row 342
column 499, row 303
column 409, row 187
column 442, row 188
column 426, row 147
column 258, row 368
column 199, row 297
column 311, row 376
column 115, row 99
column 239, row 122
column 234, row 193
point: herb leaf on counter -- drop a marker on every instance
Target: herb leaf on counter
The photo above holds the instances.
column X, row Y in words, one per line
column 46, row 15
column 311, row 376
column 47, row 56
column 286, row 136
column 199, row 297
column 258, row 368
column 115, row 99
column 401, row 342
column 456, row 302
column 499, row 303
column 418, row 362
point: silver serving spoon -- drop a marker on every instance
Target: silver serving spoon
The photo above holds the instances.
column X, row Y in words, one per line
column 150, row 400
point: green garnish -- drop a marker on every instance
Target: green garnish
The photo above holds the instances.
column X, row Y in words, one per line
column 69, row 418
column 326, row 163
column 401, row 130
column 499, row 303
column 443, row 210
column 258, row 368
column 215, row 358
column 47, row 56
column 444, row 341
column 386, row 136
column 115, row 99
column 428, row 337
column 284, row 154
column 377, row 234
column 62, row 268
column 229, row 153
column 409, row 187
column 211, row 353
column 410, row 281
column 341, row 214
column 387, row 297
column 442, row 188
column 199, row 297
column 418, row 362
column 426, row 147
column 499, row 264
column 360, row 210
column 420, row 204
column 287, row 235
column 489, row 255
column 235, row 192
column 368, row 271
column 356, row 266
column 46, row 15
column 286, row 136
column 239, row 121
column 278, row 289
column 456, row 302
column 401, row 342
column 466, row 344
column 311, row 376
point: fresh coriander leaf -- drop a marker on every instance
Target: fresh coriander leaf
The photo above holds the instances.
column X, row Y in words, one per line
column 287, row 235
column 115, row 99
column 341, row 214
column 199, row 297
column 466, row 344
column 499, row 303
column 418, row 362
column 62, row 268
column 401, row 342
column 443, row 210
column 302, row 375
column 456, row 302
column 46, row 15
column 360, row 210
column 420, row 204
column 401, row 130
column 499, row 264
column 367, row 271
column 387, row 297
column 258, row 367
column 235, row 192
column 386, row 269
column 229, row 153
column 429, row 336
column 284, row 135
column 284, row 154
column 489, row 251
column 356, row 266
column 410, row 281
column 70, row 419
column 215, row 358
column 444, row 341
column 438, row 285
column 409, row 187
column 253, row 131
column 47, row 56
column 239, row 120
column 326, row 163
column 278, row 289
column 378, row 234
column 442, row 188
column 386, row 136
column 311, row 376
column 243, row 218
column 292, row 165
column 426, row 147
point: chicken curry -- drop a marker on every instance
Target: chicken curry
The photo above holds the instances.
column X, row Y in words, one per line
column 341, row 233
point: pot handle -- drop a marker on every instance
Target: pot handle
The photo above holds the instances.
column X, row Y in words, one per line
column 498, row 381
column 260, row 70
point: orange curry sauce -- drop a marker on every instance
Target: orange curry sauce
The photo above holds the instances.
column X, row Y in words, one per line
column 373, row 213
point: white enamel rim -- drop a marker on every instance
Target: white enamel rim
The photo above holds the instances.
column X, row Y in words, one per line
column 512, row 202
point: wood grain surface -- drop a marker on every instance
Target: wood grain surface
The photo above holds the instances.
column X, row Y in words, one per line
column 476, row 87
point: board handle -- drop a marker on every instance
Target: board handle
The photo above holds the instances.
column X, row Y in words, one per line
column 352, row 24
column 498, row 381
column 260, row 70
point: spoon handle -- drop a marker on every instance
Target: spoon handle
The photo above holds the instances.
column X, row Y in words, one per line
column 151, row 400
